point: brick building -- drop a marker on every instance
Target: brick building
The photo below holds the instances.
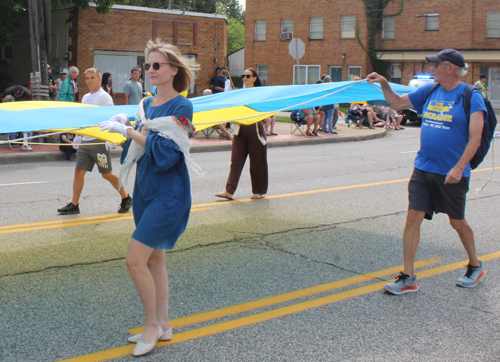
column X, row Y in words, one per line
column 115, row 42
column 327, row 29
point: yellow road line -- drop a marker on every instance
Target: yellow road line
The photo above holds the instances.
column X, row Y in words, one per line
column 265, row 302
column 64, row 225
column 60, row 221
column 211, row 205
column 265, row 316
column 72, row 222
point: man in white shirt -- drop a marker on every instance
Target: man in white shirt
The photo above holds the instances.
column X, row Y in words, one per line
column 89, row 155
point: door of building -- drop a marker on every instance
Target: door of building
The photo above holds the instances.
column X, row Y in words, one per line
column 494, row 87
column 336, row 73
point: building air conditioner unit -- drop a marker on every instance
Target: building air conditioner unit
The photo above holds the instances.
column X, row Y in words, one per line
column 285, row 36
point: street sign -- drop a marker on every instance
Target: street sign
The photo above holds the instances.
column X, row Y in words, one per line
column 296, row 48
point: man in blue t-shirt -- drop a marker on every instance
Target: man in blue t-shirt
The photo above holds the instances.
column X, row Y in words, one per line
column 220, row 80
column 440, row 179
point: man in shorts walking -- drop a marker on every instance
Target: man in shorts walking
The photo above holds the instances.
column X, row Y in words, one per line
column 89, row 155
column 440, row 179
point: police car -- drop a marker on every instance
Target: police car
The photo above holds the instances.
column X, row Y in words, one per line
column 411, row 115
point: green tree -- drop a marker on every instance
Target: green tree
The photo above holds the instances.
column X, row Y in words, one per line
column 235, row 35
column 10, row 11
column 374, row 10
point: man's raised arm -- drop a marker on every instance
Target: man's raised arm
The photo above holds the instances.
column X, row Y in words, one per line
column 395, row 101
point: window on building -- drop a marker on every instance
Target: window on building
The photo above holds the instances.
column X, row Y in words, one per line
column 348, row 26
column 192, row 88
column 395, row 73
column 353, row 71
column 432, row 22
column 121, row 63
column 336, row 73
column 389, row 28
column 316, row 28
column 262, row 73
column 493, row 24
column 308, row 74
column 260, row 30
column 287, row 25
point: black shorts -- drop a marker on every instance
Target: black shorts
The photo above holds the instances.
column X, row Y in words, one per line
column 427, row 192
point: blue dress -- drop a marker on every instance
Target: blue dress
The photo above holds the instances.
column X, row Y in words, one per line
column 162, row 190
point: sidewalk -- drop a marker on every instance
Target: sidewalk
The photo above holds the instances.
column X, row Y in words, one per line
column 48, row 152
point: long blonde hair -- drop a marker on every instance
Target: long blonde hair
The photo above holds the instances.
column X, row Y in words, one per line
column 186, row 67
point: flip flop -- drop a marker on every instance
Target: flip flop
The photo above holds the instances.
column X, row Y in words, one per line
column 257, row 197
column 225, row 195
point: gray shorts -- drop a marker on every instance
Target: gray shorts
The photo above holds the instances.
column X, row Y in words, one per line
column 427, row 192
column 88, row 156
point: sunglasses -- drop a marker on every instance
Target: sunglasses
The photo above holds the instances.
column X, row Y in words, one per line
column 247, row 76
column 155, row 66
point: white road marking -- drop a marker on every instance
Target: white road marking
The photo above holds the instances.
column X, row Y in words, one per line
column 409, row 152
column 25, row 183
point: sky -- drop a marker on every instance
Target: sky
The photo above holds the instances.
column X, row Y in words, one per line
column 242, row 3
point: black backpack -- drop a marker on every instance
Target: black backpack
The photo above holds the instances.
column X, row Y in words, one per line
column 489, row 123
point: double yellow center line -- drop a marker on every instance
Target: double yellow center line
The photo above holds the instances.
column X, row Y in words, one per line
column 278, row 312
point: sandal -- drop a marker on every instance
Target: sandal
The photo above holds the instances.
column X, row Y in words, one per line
column 225, row 195
column 257, row 196
column 308, row 133
column 274, row 134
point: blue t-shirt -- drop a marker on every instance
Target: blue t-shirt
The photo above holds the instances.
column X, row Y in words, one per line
column 445, row 131
column 303, row 115
column 220, row 81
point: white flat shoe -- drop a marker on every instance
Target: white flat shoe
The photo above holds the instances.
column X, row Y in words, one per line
column 142, row 348
column 166, row 336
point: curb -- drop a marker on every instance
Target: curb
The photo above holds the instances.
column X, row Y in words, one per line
column 14, row 158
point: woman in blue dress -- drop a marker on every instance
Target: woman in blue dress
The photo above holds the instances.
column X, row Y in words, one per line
column 162, row 192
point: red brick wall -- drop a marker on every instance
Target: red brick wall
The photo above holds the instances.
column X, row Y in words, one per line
column 326, row 52
column 462, row 25
column 129, row 30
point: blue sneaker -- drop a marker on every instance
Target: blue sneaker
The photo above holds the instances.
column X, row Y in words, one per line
column 403, row 284
column 472, row 276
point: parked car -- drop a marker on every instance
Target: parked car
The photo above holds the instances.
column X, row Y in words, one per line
column 411, row 115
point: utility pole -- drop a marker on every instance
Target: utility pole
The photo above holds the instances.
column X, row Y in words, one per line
column 39, row 17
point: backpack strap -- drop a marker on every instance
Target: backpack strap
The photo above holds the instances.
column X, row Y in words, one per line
column 431, row 89
column 467, row 96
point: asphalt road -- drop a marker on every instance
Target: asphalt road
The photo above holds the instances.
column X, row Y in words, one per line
column 296, row 276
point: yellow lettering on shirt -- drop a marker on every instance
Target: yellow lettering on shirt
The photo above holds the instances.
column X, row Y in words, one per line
column 439, row 107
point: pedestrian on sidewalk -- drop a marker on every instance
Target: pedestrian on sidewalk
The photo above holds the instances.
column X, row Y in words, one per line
column 162, row 191
column 249, row 140
column 69, row 88
column 90, row 154
column 440, row 179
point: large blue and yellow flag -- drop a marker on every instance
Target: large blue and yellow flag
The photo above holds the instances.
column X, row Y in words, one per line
column 245, row 106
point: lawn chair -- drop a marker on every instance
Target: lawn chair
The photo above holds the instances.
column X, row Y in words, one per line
column 357, row 119
column 297, row 123
column 209, row 131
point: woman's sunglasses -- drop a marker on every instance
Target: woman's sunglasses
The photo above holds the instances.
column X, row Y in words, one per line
column 247, row 76
column 155, row 66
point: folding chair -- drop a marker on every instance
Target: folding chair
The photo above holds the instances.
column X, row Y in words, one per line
column 298, row 126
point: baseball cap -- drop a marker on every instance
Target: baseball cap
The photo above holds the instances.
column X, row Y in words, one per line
column 483, row 76
column 327, row 79
column 64, row 71
column 48, row 66
column 18, row 91
column 449, row 55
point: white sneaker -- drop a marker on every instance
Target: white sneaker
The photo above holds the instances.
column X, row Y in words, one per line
column 27, row 148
